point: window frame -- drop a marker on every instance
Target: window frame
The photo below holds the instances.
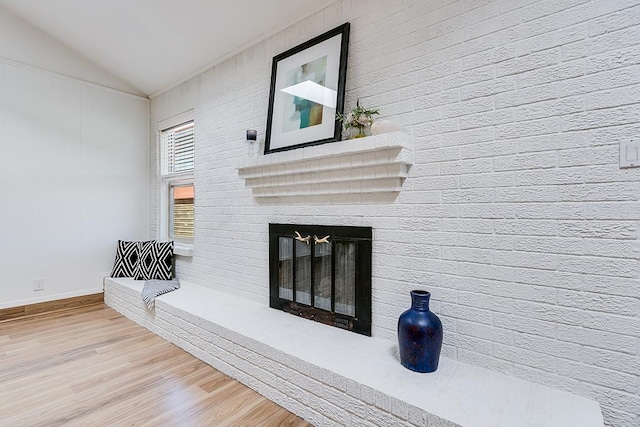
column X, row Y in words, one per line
column 182, row 246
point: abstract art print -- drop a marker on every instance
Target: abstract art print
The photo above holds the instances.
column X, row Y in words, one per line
column 307, row 90
column 300, row 112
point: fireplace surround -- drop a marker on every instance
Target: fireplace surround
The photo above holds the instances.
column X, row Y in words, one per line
column 322, row 273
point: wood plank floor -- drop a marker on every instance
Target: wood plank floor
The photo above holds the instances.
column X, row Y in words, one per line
column 90, row 366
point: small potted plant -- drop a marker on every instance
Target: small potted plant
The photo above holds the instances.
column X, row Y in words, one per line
column 359, row 118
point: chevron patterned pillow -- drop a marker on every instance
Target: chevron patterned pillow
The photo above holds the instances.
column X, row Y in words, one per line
column 127, row 259
column 156, row 261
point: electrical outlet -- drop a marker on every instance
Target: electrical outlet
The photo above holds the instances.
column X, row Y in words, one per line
column 38, row 284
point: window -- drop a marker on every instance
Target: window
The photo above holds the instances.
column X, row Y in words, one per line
column 178, row 145
column 177, row 156
column 182, row 198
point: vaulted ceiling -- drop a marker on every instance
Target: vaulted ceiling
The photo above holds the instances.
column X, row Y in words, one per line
column 154, row 44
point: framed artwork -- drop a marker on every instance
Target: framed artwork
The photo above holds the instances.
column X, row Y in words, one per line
column 307, row 90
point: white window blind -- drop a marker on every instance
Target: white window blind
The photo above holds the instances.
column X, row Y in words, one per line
column 178, row 149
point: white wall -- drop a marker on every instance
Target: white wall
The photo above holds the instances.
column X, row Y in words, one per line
column 22, row 42
column 73, row 168
column 515, row 216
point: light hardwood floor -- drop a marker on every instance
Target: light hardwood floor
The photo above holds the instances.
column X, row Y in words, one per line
column 90, row 366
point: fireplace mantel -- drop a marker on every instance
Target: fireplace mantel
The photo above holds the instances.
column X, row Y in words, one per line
column 375, row 164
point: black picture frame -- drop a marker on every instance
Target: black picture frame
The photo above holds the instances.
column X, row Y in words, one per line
column 303, row 82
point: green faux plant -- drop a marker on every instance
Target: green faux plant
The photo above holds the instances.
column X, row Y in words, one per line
column 359, row 117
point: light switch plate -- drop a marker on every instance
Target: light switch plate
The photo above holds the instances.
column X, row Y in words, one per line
column 630, row 153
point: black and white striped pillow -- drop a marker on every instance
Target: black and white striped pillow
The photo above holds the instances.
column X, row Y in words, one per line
column 156, row 261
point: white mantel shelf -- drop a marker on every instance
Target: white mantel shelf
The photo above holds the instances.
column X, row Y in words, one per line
column 374, row 164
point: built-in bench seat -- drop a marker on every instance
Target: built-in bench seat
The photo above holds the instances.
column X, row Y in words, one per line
column 332, row 377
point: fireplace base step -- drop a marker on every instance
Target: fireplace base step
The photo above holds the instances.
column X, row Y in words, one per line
column 332, row 377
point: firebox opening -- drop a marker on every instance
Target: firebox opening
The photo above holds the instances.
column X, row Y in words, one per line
column 322, row 273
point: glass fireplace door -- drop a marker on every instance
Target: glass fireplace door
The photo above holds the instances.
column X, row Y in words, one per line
column 322, row 273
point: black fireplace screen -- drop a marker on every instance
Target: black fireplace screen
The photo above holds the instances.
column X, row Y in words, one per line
column 322, row 273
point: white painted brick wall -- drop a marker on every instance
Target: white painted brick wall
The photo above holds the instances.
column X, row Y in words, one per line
column 515, row 214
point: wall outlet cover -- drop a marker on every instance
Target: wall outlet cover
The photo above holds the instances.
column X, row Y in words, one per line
column 38, row 284
column 630, row 153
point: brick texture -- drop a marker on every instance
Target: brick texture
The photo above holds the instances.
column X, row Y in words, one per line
column 515, row 214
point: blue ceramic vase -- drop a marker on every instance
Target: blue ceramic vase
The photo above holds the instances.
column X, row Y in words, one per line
column 419, row 335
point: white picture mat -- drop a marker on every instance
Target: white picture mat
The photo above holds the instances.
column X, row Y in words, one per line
column 330, row 48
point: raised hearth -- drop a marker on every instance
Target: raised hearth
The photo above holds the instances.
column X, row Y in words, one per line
column 331, row 377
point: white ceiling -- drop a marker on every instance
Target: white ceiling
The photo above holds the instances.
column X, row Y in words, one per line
column 154, row 44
